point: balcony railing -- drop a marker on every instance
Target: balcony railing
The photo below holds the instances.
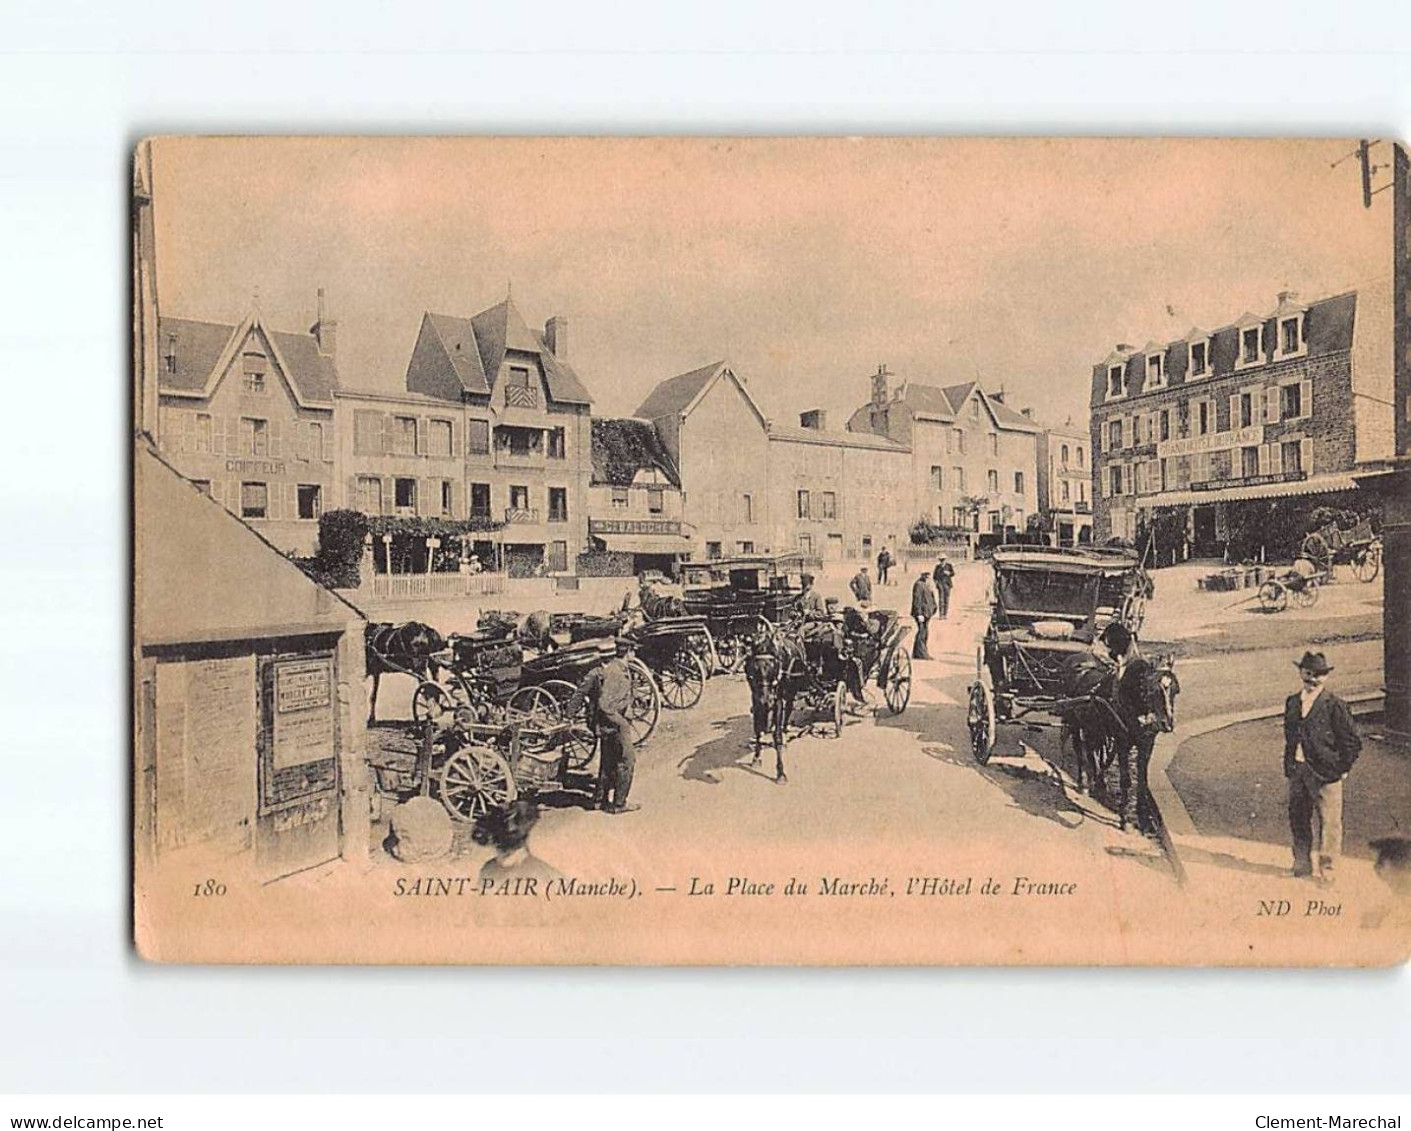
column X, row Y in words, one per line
column 508, row 457
column 521, row 514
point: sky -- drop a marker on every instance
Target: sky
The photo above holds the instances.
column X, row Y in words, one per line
column 805, row 263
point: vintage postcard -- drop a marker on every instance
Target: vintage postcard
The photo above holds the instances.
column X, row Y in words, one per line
column 771, row 551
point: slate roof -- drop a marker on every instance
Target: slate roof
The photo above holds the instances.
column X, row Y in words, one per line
column 671, row 396
column 873, row 440
column 1330, row 326
column 199, row 346
column 475, row 349
column 622, row 448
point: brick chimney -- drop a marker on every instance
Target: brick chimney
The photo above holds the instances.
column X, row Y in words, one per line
column 881, row 380
column 556, row 336
column 325, row 330
column 998, row 395
column 815, row 419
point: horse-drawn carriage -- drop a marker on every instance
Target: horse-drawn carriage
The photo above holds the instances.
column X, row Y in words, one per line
column 1297, row 585
column 1037, row 664
column 1331, row 546
column 736, row 596
column 677, row 650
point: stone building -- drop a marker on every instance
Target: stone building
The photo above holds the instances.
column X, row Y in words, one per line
column 836, row 495
column 1064, row 478
column 718, row 440
column 246, row 413
column 634, row 501
column 974, row 460
column 1270, row 406
column 494, row 427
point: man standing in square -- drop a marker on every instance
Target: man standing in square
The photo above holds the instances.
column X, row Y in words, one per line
column 1320, row 746
column 945, row 578
column 923, row 608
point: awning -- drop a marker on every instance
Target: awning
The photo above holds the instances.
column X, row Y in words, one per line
column 645, row 543
column 1316, row 486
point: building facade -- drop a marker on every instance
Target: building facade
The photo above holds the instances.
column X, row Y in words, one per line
column 717, row 438
column 494, row 427
column 246, row 413
column 974, row 460
column 1064, row 479
column 836, row 495
column 634, row 499
column 1272, row 406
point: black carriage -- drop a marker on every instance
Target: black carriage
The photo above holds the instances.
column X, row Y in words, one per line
column 735, row 596
column 1331, row 546
column 1048, row 607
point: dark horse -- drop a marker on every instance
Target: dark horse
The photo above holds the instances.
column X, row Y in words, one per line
column 1122, row 720
column 776, row 670
column 402, row 648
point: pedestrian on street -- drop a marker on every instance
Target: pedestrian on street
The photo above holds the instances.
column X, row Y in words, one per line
column 1320, row 746
column 507, row 831
column 923, row 608
column 861, row 586
column 607, row 690
column 883, row 561
column 945, row 578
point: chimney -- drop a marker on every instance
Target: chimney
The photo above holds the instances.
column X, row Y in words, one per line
column 556, row 336
column 815, row 419
column 880, row 381
column 1287, row 296
column 1124, row 347
column 325, row 330
column 1027, row 412
column 998, row 395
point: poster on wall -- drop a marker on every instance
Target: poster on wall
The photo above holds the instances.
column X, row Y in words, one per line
column 900, row 550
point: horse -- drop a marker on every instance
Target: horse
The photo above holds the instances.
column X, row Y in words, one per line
column 776, row 670
column 406, row 649
column 1123, row 716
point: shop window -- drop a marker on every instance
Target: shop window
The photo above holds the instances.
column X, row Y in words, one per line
column 656, row 500
column 438, row 436
column 558, row 504
column 477, row 437
column 254, row 500
column 404, row 494
column 620, row 500
column 310, row 500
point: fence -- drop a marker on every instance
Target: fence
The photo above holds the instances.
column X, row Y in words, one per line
column 409, row 586
column 952, row 548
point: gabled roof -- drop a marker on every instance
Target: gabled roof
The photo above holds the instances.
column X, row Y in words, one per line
column 622, row 448
column 475, row 349
column 677, row 396
column 458, row 339
column 204, row 351
column 945, row 404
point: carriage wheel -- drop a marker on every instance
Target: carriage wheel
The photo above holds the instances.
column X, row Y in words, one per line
column 728, row 653
column 980, row 717
column 580, row 740
column 536, row 710
column 475, row 780
column 838, row 704
column 1316, row 549
column 682, row 680
column 897, row 688
column 645, row 708
column 1306, row 595
column 1273, row 597
column 1368, row 564
column 432, row 703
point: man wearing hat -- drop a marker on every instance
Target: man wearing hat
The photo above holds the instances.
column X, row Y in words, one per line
column 944, row 575
column 811, row 602
column 1320, row 745
column 861, row 586
column 608, row 691
column 923, row 608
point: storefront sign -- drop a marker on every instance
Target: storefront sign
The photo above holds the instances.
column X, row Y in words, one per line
column 1211, row 442
column 255, row 466
column 1250, row 481
column 632, row 526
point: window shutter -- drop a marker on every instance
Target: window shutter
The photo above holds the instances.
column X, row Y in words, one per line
column 274, row 438
column 1271, row 404
column 428, row 497
column 351, row 501
column 327, row 445
column 1305, row 396
column 389, row 490
column 422, row 444
column 1276, row 458
column 1234, row 411
column 291, row 500
column 1263, row 459
column 456, row 439
column 385, row 426
column 457, row 498
column 1305, row 455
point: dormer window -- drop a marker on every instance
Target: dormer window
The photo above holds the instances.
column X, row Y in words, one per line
column 1291, row 331
column 1155, row 374
column 1249, row 341
column 1114, row 381
column 1115, row 366
column 1200, row 359
column 1249, row 346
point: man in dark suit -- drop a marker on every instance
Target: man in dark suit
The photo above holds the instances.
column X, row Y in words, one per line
column 1320, row 745
column 944, row 575
column 923, row 608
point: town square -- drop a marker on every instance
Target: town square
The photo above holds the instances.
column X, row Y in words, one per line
column 784, row 525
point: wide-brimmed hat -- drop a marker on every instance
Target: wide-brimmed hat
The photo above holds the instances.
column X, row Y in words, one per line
column 1314, row 662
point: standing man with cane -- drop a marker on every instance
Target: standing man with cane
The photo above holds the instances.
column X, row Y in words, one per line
column 945, row 578
column 923, row 608
column 608, row 691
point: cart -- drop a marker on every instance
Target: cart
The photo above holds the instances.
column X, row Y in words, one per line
column 735, row 596
column 1331, row 546
column 1298, row 586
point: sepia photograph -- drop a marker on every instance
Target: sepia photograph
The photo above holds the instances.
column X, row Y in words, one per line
column 771, row 551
